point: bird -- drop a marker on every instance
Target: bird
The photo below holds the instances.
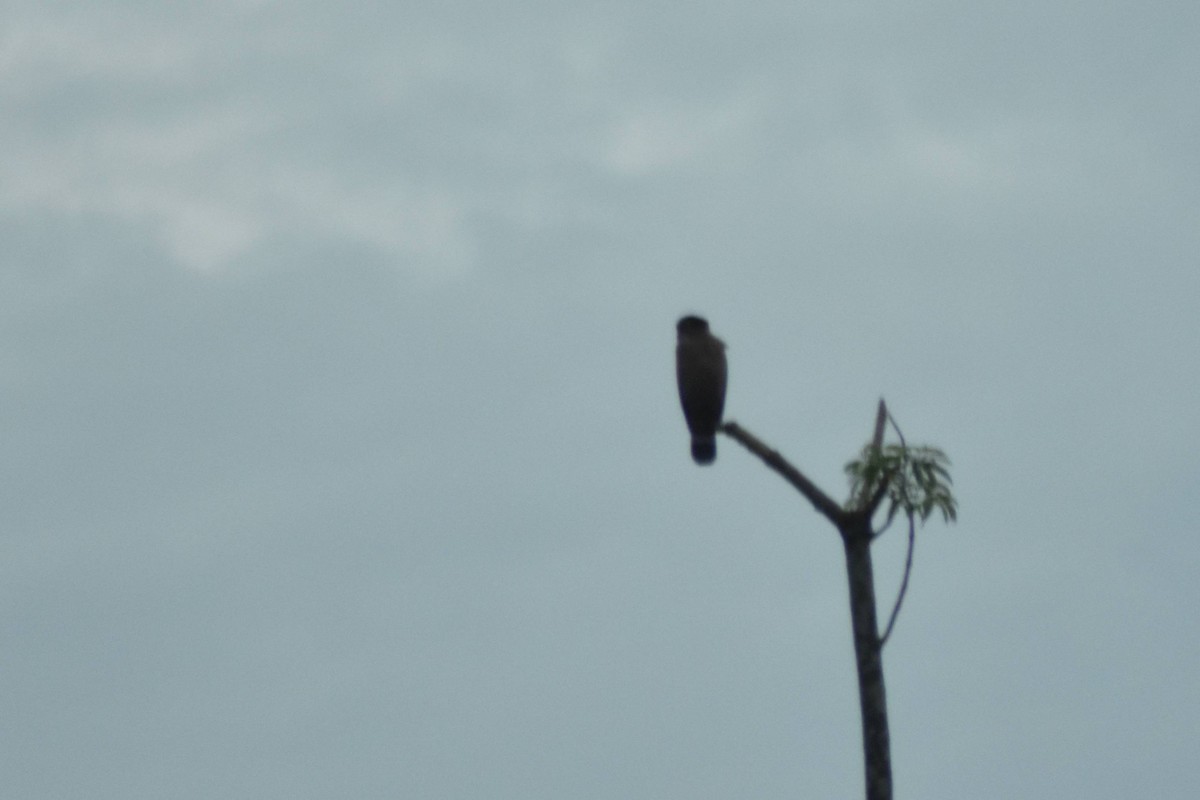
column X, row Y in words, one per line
column 701, row 371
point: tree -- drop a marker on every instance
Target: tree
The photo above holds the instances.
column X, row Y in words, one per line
column 913, row 480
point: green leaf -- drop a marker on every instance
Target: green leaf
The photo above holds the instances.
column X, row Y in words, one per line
column 918, row 480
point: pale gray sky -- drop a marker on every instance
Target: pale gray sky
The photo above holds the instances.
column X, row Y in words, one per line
column 340, row 449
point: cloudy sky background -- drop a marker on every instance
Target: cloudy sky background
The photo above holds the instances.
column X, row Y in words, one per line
column 340, row 450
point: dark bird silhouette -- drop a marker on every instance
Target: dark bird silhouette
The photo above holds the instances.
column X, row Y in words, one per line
column 701, row 371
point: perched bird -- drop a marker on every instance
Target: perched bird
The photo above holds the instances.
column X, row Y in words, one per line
column 700, row 370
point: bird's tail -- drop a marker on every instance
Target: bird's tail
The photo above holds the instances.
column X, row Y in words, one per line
column 704, row 449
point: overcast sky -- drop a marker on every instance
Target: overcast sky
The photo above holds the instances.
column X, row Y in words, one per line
column 340, row 448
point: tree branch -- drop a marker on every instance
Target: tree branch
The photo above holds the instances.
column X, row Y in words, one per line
column 908, row 559
column 821, row 501
column 895, row 427
column 881, row 417
column 872, row 504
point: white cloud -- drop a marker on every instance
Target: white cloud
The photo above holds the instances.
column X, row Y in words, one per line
column 422, row 227
column 953, row 161
column 37, row 51
column 208, row 173
column 652, row 140
column 211, row 184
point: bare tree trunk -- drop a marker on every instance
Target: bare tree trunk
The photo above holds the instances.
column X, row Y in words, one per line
column 855, row 527
column 856, row 539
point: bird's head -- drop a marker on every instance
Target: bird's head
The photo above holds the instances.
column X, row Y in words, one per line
column 692, row 326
